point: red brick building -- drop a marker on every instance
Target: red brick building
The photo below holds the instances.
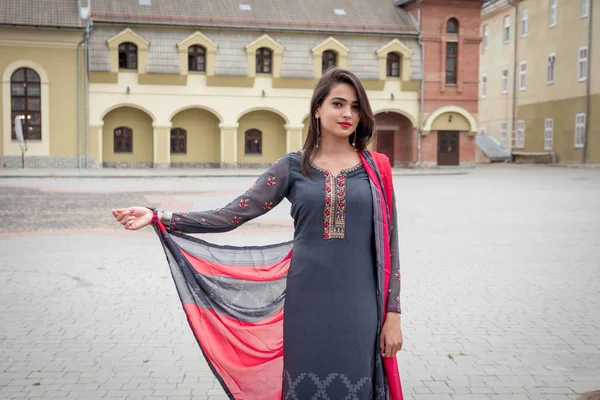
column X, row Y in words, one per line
column 450, row 35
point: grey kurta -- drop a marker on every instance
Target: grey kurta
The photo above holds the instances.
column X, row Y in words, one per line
column 331, row 321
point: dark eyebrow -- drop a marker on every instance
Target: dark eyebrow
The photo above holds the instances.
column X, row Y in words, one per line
column 341, row 98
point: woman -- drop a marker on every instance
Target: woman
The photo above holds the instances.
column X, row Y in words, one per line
column 341, row 282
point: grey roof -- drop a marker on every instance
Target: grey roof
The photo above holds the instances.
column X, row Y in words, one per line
column 231, row 59
column 491, row 148
column 43, row 13
column 373, row 16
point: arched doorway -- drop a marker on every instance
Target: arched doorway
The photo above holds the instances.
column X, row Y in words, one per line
column 261, row 138
column 195, row 139
column 127, row 139
column 396, row 138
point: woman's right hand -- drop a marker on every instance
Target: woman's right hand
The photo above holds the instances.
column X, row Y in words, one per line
column 133, row 218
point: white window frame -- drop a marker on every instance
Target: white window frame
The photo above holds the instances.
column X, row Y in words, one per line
column 486, row 32
column 524, row 23
column 505, row 80
column 483, row 85
column 582, row 65
column 520, row 141
column 585, row 8
column 550, row 68
column 506, row 29
column 548, row 133
column 523, row 75
column 503, row 138
column 579, row 130
column 553, row 6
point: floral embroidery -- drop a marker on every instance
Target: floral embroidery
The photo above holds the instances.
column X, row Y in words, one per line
column 202, row 219
column 271, row 181
column 398, row 299
column 268, row 205
column 398, row 274
column 236, row 219
column 335, row 203
column 244, row 202
column 251, row 187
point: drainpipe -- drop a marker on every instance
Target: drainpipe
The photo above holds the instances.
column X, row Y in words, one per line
column 88, row 30
column 422, row 100
column 515, row 5
column 587, row 84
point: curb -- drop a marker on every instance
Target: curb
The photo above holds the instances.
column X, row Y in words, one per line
column 179, row 176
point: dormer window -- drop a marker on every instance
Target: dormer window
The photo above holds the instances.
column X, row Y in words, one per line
column 264, row 60
column 197, row 58
column 329, row 60
column 128, row 58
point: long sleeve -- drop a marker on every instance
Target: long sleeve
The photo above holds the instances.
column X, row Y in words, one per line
column 393, row 302
column 268, row 191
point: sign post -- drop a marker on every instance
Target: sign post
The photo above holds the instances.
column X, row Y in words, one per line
column 20, row 138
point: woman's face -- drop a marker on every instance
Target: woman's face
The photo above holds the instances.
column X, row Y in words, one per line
column 339, row 112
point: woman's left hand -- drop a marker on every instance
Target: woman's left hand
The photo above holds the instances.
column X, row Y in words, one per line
column 391, row 339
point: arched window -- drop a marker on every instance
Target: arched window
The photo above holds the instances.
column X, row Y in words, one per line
column 253, row 140
column 123, row 138
column 178, row 141
column 329, row 59
column 197, row 58
column 128, row 57
column 26, row 103
column 264, row 58
column 452, row 26
column 393, row 64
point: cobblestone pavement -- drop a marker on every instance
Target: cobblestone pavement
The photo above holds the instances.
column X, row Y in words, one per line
column 500, row 290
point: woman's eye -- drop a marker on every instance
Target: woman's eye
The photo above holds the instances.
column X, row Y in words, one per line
column 356, row 108
column 337, row 103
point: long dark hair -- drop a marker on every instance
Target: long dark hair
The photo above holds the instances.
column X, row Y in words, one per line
column 365, row 130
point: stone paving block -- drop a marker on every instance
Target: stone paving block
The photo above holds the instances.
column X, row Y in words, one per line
column 468, row 285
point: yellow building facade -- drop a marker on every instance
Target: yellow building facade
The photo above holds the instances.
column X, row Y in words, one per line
column 551, row 54
column 181, row 96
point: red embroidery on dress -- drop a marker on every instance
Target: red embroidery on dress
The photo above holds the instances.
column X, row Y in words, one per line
column 236, row 219
column 397, row 299
column 271, row 181
column 335, row 203
column 268, row 205
column 202, row 219
column 244, row 202
column 398, row 274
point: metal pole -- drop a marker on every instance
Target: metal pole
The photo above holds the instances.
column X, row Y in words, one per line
column 513, row 122
column 422, row 100
column 587, row 84
column 79, row 100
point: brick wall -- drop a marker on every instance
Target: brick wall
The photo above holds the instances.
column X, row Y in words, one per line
column 435, row 14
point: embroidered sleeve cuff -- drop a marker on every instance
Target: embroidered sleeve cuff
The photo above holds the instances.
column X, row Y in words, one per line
column 165, row 219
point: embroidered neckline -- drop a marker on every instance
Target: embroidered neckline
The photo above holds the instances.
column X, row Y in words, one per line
column 343, row 171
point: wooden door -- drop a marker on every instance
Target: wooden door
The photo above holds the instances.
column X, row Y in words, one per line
column 448, row 145
column 385, row 144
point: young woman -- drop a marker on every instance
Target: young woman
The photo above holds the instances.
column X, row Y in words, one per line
column 339, row 277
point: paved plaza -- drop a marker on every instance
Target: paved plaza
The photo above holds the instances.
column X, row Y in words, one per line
column 501, row 286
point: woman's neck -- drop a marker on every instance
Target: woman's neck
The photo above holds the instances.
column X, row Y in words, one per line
column 334, row 146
